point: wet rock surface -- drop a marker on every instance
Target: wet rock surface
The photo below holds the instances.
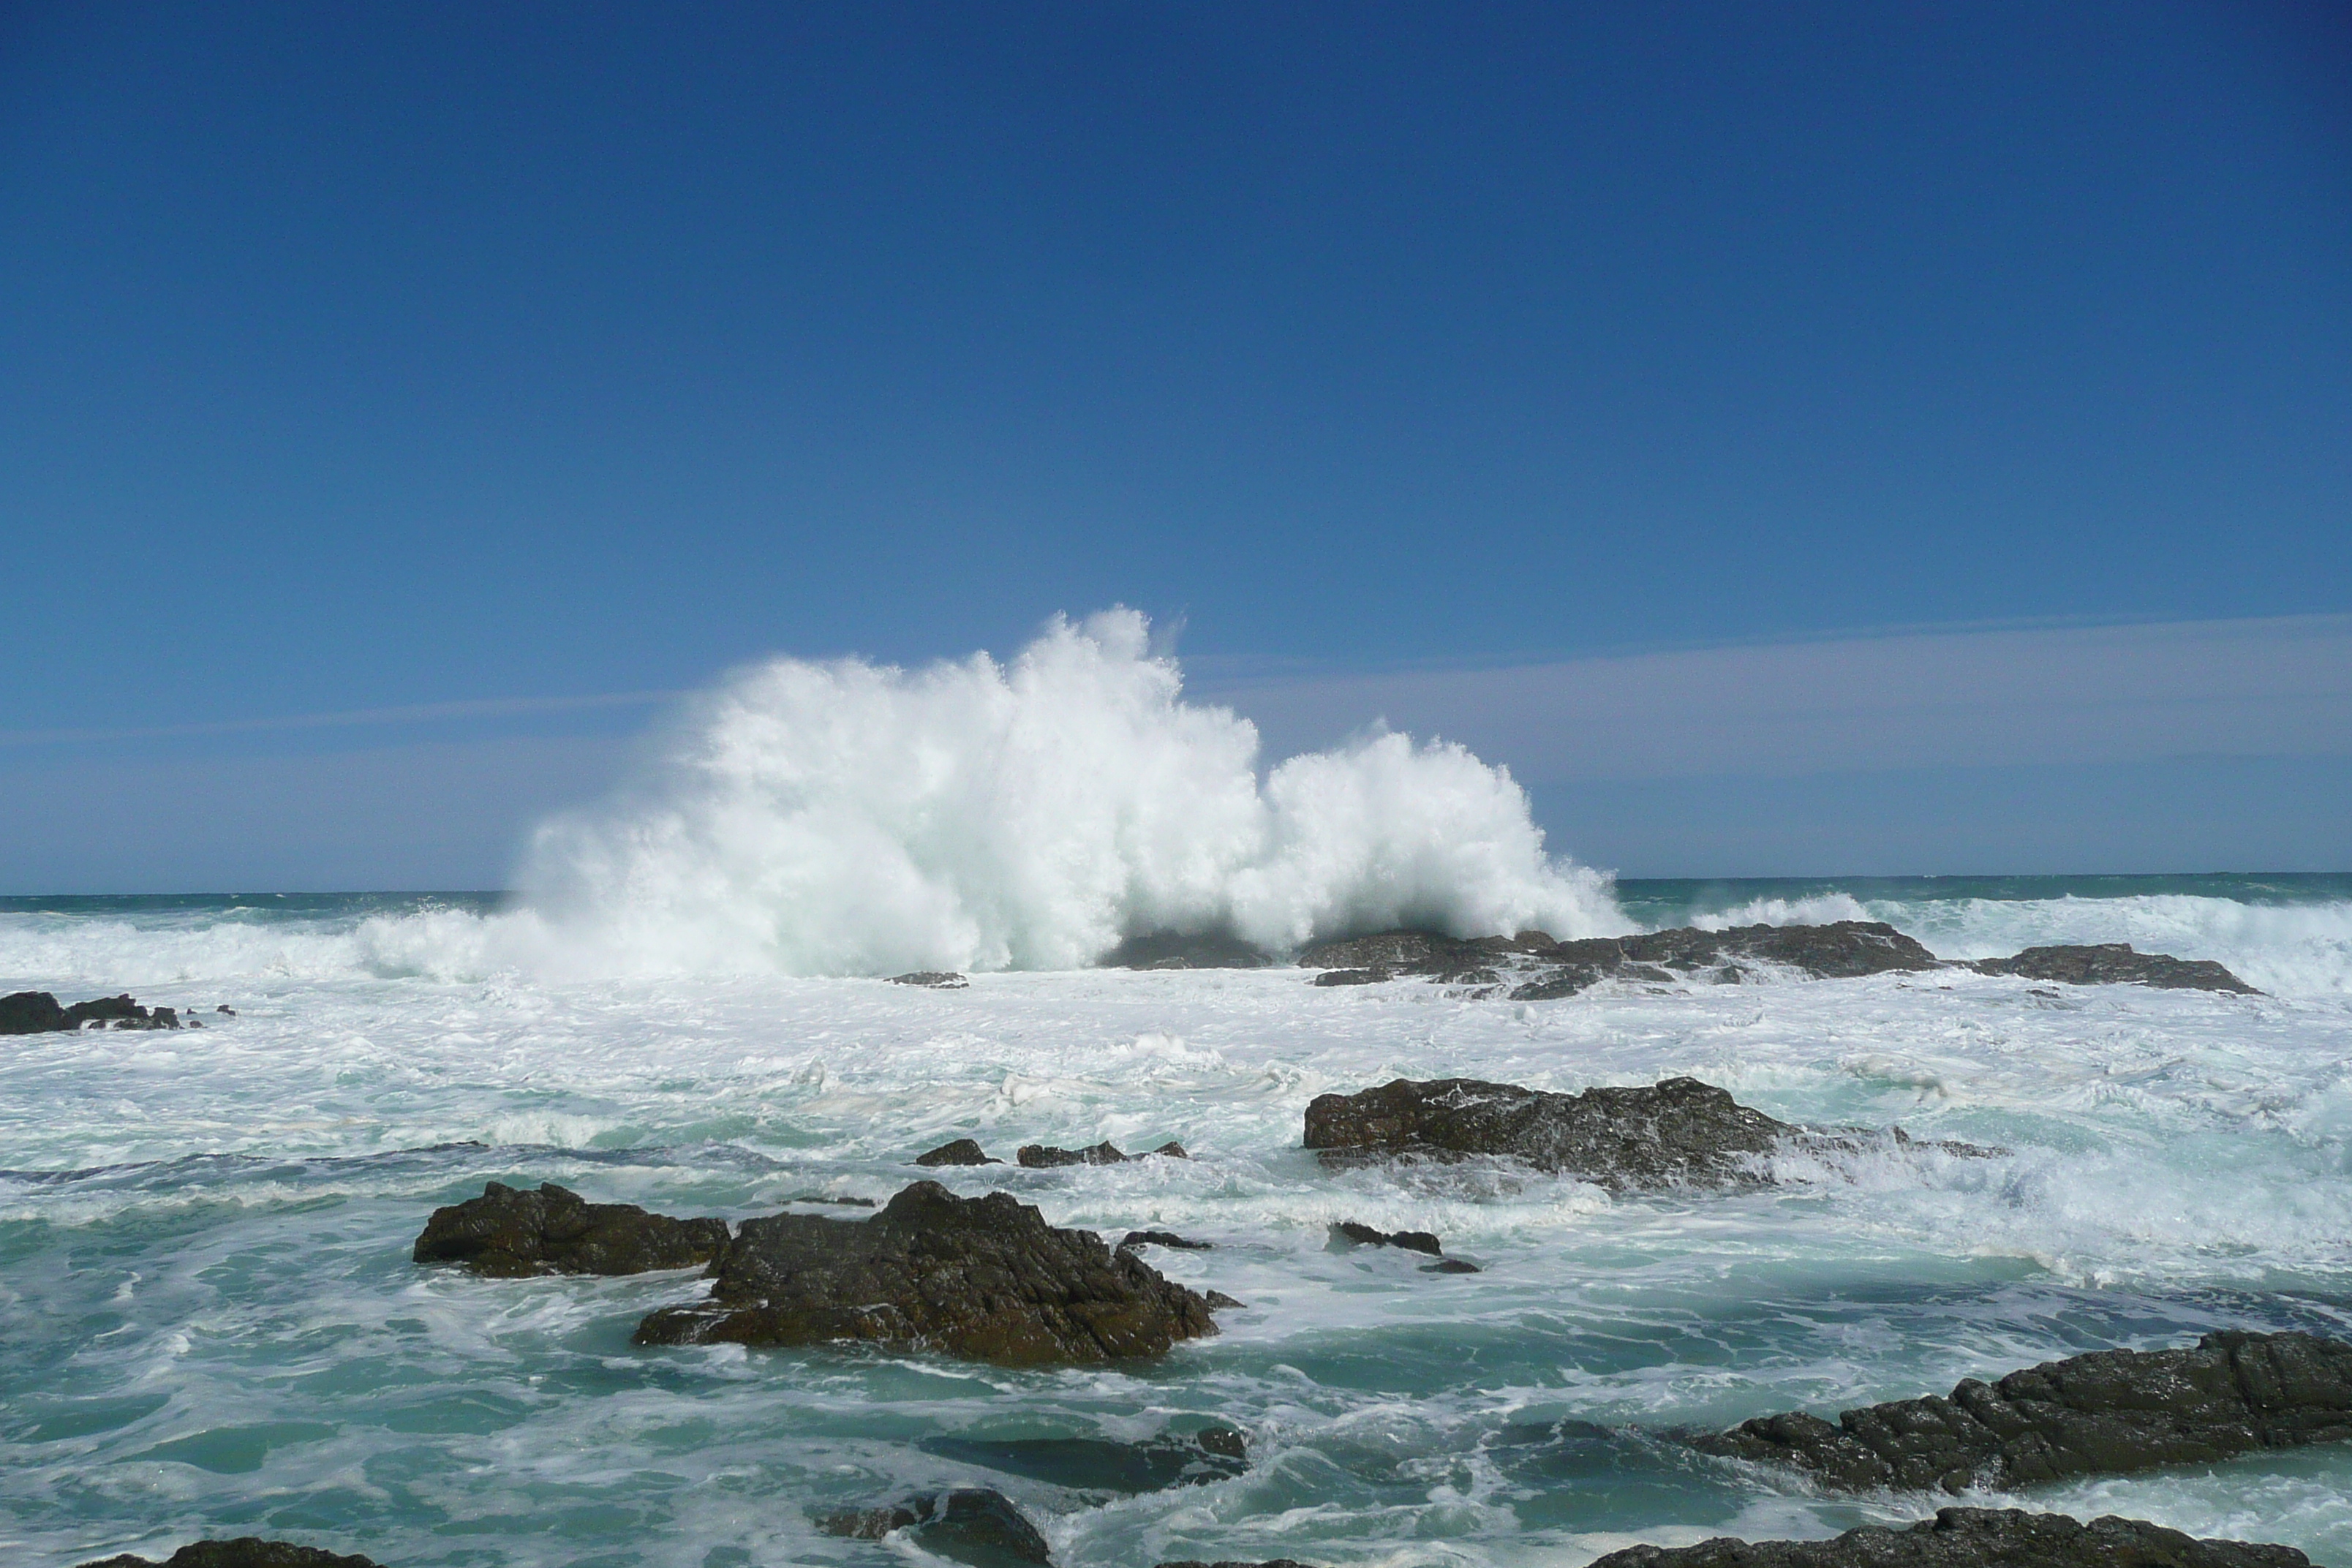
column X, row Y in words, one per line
column 1214, row 1453
column 1680, row 1130
column 2114, row 963
column 38, row 1013
column 1974, row 1538
column 2107, row 1413
column 984, row 1277
column 1045, row 1157
column 937, row 979
column 1162, row 1238
column 960, row 1151
column 1547, row 969
column 1353, row 978
column 1349, row 1234
column 507, row 1233
column 970, row 1524
column 1174, row 949
column 245, row 1551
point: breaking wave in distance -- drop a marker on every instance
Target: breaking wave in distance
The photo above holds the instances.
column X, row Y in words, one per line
column 847, row 818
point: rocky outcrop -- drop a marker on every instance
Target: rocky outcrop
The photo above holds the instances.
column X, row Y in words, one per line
column 1214, row 1453
column 1680, row 1130
column 507, row 1233
column 1353, row 978
column 2114, row 963
column 1347, row 1234
column 1545, row 969
column 37, row 1013
column 984, row 1278
column 1176, row 949
column 970, row 1524
column 962, row 1152
column 1162, row 1238
column 937, row 979
column 2107, row 1413
column 1044, row 1156
column 1974, row 1538
column 245, row 1551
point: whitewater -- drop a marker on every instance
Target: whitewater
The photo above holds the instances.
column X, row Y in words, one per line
column 209, row 1323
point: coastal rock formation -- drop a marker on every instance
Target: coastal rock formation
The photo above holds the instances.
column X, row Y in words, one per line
column 937, row 979
column 2107, row 1413
column 1349, row 1234
column 960, row 1151
column 1214, row 1453
column 970, row 1524
column 984, row 1278
column 1174, row 949
column 2116, row 963
column 245, row 1551
column 37, row 1013
column 1044, row 1156
column 1624, row 1138
column 1841, row 950
column 1162, row 1238
column 1974, row 1538
column 507, row 1233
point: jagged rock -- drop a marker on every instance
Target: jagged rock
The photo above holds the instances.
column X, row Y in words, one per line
column 984, row 1278
column 962, row 1152
column 1349, row 1234
column 1173, row 950
column 1218, row 1301
column 37, row 1013
column 2107, row 1413
column 226, row 1009
column 1974, row 1538
column 937, row 979
column 507, row 1232
column 120, row 1012
column 970, row 1524
column 2114, row 963
column 32, row 1012
column 245, row 1551
column 1162, row 1238
column 1352, row 977
column 1214, row 1453
column 1678, row 1131
column 1843, row 948
column 1044, row 1156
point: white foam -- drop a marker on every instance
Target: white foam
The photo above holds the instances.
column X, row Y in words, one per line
column 848, row 818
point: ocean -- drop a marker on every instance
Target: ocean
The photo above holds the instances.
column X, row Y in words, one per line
column 210, row 1323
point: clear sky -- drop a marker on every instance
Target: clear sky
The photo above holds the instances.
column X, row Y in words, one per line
column 494, row 366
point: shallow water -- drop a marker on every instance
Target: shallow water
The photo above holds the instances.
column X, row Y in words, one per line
column 209, row 1323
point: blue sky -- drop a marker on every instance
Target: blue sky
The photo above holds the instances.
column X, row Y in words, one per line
column 473, row 370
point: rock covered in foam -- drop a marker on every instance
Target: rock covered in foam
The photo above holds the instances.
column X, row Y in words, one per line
column 970, row 1524
column 1843, row 949
column 1350, row 1234
column 37, row 1013
column 1044, row 1156
column 243, row 1551
column 1213, row 1452
column 2107, row 1413
column 507, row 1233
column 2116, row 963
column 1974, row 1538
column 984, row 1277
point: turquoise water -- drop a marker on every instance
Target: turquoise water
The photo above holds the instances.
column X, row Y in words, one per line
column 209, row 1323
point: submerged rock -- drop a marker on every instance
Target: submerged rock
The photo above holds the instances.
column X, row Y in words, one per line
column 507, row 1233
column 1174, row 950
column 2114, row 963
column 1974, row 1538
column 970, row 1524
column 1162, row 1238
column 37, row 1013
column 1678, row 1131
column 962, row 1152
column 1349, row 1234
column 937, row 979
column 2107, row 1413
column 245, row 1551
column 1214, row 1453
column 1044, row 1156
column 984, row 1278
column 1352, row 977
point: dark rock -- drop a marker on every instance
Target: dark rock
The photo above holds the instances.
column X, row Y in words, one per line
column 2107, row 1413
column 120, row 1011
column 1397, row 952
column 1044, row 1156
column 970, row 1524
column 1162, row 1238
column 1676, row 1132
column 245, row 1551
column 984, row 1278
column 1171, row 1150
column 225, row 1008
column 937, row 979
column 164, row 1019
column 2114, row 963
column 507, row 1233
column 1218, row 1301
column 32, row 1012
column 1449, row 1266
column 1843, row 949
column 1174, row 949
column 1974, row 1538
column 962, row 1152
column 1215, row 1453
column 1352, row 977
column 1348, row 1233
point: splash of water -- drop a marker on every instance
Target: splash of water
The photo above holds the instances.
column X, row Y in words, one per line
column 848, row 817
